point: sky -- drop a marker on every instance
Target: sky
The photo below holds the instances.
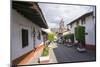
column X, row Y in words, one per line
column 53, row 13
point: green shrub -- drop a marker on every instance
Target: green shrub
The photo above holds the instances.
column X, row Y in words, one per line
column 69, row 36
column 45, row 51
column 51, row 36
column 80, row 34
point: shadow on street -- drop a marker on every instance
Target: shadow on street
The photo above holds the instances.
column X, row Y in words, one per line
column 70, row 54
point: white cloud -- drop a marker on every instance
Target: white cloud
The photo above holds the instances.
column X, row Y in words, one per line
column 53, row 13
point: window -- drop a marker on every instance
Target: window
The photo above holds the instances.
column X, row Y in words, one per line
column 77, row 23
column 39, row 35
column 24, row 38
column 83, row 21
column 71, row 26
column 33, row 33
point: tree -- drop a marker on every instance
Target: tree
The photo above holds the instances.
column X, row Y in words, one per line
column 51, row 36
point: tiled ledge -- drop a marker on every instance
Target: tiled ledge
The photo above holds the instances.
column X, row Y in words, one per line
column 25, row 59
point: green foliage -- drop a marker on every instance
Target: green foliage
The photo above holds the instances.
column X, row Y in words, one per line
column 72, row 37
column 51, row 36
column 80, row 34
column 45, row 51
column 69, row 36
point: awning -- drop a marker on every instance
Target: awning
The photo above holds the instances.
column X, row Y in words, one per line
column 47, row 30
column 65, row 33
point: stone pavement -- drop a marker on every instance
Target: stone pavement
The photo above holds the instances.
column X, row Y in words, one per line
column 70, row 54
column 52, row 55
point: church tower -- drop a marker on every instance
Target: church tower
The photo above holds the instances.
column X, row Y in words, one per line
column 61, row 26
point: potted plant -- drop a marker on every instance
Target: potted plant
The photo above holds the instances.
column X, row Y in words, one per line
column 44, row 58
column 80, row 37
column 69, row 39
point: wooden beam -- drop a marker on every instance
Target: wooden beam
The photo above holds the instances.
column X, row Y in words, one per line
column 23, row 3
column 25, row 9
column 29, row 12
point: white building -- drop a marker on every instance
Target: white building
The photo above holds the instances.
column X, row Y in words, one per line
column 87, row 20
column 26, row 23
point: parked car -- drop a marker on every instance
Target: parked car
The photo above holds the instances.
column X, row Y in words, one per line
column 59, row 40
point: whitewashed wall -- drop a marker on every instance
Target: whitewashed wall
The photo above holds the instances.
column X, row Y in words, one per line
column 89, row 28
column 17, row 23
column 37, row 41
column 73, row 26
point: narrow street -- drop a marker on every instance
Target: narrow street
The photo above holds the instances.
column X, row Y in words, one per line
column 61, row 53
column 37, row 33
column 70, row 54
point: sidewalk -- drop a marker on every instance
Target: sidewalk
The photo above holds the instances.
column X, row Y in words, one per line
column 52, row 55
column 32, row 58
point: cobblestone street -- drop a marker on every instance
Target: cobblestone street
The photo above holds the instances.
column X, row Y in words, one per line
column 70, row 54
